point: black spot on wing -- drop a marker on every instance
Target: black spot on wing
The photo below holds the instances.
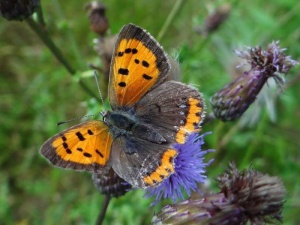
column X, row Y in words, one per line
column 65, row 145
column 88, row 155
column 145, row 64
column 123, row 71
column 147, row 77
column 127, row 50
column 99, row 153
column 63, row 138
column 80, row 136
column 122, row 84
column 198, row 114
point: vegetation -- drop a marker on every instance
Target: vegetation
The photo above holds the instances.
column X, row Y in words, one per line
column 36, row 92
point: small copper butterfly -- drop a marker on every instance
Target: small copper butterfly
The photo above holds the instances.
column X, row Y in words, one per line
column 149, row 115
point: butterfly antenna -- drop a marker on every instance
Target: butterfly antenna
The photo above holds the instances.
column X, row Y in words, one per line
column 101, row 97
column 77, row 118
column 98, row 86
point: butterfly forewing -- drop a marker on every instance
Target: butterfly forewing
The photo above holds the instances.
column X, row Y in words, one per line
column 139, row 64
column 82, row 147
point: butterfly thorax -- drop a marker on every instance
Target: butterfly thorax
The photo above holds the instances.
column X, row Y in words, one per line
column 125, row 123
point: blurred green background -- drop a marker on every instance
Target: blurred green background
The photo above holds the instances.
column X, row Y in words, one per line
column 36, row 92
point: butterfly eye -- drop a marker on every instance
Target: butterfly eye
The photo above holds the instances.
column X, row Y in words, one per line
column 104, row 119
column 104, row 115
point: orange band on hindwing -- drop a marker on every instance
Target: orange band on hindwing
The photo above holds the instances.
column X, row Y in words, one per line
column 165, row 169
column 192, row 121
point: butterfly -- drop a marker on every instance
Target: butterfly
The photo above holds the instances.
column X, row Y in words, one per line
column 150, row 114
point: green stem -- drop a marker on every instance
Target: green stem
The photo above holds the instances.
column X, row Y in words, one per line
column 228, row 136
column 40, row 16
column 72, row 45
column 253, row 145
column 102, row 213
column 169, row 19
column 43, row 35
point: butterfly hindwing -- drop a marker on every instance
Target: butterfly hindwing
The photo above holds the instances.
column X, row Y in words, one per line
column 174, row 109
column 138, row 65
column 82, row 147
column 149, row 165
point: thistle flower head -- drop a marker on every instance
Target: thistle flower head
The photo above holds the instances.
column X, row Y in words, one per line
column 235, row 98
column 259, row 195
column 269, row 61
column 109, row 183
column 18, row 9
column 189, row 171
column 246, row 196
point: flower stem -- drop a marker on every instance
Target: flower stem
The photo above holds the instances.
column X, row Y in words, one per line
column 103, row 210
column 40, row 16
column 43, row 35
column 169, row 19
column 252, row 147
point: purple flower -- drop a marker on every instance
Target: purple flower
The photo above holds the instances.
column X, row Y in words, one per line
column 234, row 99
column 189, row 171
column 245, row 197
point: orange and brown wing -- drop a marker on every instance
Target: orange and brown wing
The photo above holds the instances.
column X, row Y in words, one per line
column 174, row 109
column 150, row 165
column 85, row 146
column 139, row 64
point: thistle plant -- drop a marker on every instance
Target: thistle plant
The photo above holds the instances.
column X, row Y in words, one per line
column 246, row 196
column 18, row 9
column 236, row 97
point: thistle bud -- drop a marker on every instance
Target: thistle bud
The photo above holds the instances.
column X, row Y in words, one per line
column 109, row 183
column 234, row 99
column 18, row 9
column 246, row 196
column 98, row 20
column 214, row 20
column 104, row 45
